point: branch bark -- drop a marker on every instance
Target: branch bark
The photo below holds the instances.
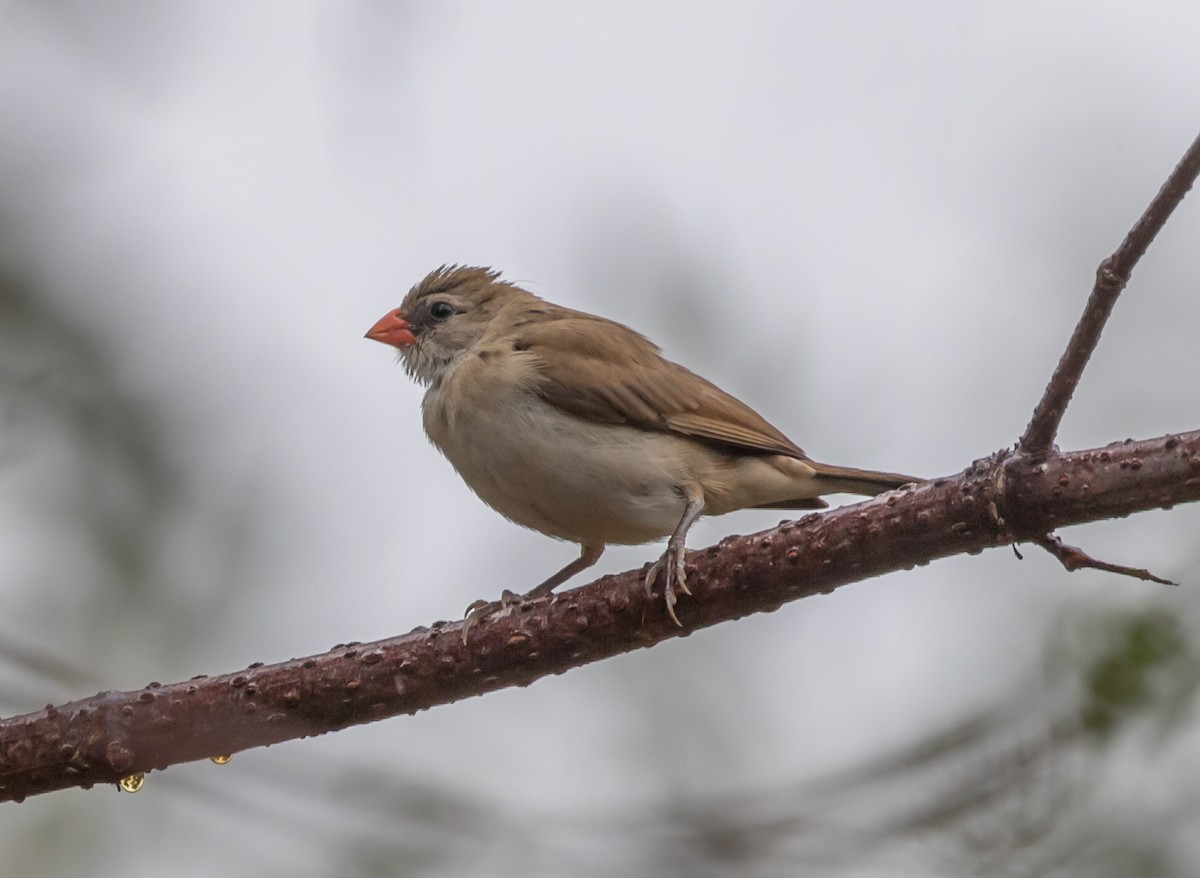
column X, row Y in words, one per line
column 999, row 500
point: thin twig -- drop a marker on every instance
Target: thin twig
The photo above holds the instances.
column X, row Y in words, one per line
column 1073, row 558
column 1111, row 278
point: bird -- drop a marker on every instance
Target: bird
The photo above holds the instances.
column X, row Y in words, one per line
column 578, row 427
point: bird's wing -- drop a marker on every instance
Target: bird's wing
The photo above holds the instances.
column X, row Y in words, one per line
column 599, row 369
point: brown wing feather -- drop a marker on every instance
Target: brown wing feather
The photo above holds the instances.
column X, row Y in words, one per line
column 599, row 369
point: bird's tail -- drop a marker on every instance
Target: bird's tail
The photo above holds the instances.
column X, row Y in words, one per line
column 848, row 480
column 812, row 479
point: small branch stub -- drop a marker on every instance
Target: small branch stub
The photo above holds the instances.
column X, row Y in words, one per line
column 1073, row 558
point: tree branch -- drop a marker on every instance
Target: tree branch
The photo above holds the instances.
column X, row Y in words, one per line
column 999, row 500
column 1111, row 278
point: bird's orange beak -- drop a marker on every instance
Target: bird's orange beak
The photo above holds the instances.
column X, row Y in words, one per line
column 392, row 329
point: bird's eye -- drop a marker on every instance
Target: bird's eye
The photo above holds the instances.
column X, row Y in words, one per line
column 441, row 310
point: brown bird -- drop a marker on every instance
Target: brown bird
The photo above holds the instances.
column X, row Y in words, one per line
column 578, row 427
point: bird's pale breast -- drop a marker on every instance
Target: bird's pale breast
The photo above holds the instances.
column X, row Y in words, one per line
column 549, row 470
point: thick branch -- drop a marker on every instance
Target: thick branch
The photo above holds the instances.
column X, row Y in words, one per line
column 1111, row 278
column 999, row 500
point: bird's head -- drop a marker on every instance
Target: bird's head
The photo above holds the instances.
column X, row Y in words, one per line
column 443, row 318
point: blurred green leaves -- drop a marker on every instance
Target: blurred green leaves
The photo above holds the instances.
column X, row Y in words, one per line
column 1142, row 665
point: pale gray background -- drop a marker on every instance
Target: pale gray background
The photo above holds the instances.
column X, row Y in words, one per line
column 874, row 222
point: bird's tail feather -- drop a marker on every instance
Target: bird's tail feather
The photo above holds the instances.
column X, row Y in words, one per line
column 823, row 478
column 848, row 480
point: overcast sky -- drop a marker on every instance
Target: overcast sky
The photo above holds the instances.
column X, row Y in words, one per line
column 874, row 222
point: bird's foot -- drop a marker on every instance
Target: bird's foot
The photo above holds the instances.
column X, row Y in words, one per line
column 481, row 609
column 671, row 563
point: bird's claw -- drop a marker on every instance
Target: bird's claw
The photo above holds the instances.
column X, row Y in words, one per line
column 481, row 609
column 672, row 563
column 476, row 611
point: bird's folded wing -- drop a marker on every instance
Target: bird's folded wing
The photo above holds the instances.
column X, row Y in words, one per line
column 617, row 376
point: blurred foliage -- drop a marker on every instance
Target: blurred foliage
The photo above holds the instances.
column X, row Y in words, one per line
column 1144, row 665
column 122, row 539
column 90, row 487
column 63, row 396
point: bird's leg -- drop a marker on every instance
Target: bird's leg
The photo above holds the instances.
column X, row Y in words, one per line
column 588, row 555
column 672, row 559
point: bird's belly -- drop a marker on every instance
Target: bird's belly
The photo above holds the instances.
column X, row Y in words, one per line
column 562, row 475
